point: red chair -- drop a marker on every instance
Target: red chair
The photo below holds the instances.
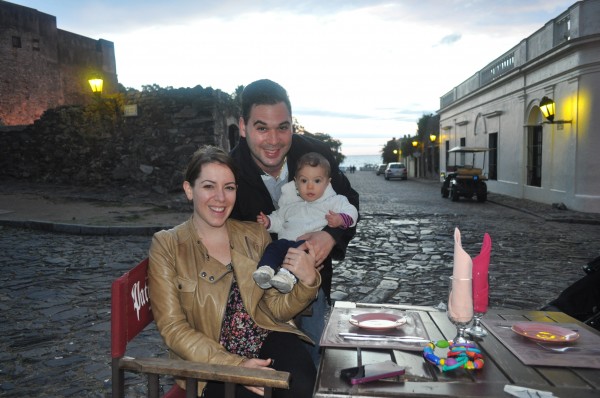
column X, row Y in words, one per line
column 131, row 313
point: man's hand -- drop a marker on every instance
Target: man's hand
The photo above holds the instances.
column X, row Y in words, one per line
column 322, row 244
column 257, row 363
column 334, row 220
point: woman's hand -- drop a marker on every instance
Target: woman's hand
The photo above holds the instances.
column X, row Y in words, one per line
column 257, row 363
column 302, row 264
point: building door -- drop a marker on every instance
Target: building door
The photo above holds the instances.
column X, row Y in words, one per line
column 493, row 159
column 534, row 156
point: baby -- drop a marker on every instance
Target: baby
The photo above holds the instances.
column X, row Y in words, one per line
column 307, row 204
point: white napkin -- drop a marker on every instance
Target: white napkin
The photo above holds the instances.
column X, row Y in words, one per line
column 524, row 392
column 460, row 300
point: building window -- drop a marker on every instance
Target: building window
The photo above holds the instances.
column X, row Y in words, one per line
column 562, row 30
column 534, row 156
column 35, row 45
column 16, row 41
column 463, row 142
column 493, row 162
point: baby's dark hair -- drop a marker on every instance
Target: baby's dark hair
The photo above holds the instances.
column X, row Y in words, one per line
column 314, row 159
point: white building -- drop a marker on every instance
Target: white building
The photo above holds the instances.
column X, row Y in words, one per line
column 498, row 107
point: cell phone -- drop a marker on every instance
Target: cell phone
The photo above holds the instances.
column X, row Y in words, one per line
column 371, row 372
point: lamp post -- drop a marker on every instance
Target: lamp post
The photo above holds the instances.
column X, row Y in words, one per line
column 433, row 146
column 548, row 108
column 417, row 155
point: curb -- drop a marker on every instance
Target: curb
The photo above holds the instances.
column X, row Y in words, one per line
column 79, row 229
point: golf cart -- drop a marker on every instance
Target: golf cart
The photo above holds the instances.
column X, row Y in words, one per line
column 464, row 179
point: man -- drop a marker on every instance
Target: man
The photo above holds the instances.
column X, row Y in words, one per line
column 266, row 157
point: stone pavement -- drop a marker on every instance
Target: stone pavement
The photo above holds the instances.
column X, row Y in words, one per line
column 55, row 287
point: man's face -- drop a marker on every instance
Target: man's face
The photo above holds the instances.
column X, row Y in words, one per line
column 269, row 135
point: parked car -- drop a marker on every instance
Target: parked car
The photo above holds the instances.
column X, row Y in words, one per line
column 464, row 179
column 381, row 169
column 395, row 170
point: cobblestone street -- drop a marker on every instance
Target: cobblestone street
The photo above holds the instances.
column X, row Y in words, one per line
column 55, row 288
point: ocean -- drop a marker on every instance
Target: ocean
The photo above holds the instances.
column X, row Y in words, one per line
column 366, row 162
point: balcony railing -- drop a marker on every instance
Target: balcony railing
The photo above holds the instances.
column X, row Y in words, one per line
column 553, row 34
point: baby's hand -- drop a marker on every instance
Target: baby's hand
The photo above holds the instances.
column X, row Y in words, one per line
column 263, row 219
column 334, row 220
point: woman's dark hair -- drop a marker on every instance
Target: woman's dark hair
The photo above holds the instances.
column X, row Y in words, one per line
column 263, row 92
column 204, row 155
column 314, row 159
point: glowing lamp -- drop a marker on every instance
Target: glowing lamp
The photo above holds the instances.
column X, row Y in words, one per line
column 96, row 85
column 547, row 107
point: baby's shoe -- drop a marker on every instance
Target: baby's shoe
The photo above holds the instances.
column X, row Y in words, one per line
column 284, row 281
column 262, row 276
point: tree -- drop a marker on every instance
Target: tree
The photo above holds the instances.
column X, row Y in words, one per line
column 387, row 152
column 331, row 142
column 427, row 125
column 403, row 144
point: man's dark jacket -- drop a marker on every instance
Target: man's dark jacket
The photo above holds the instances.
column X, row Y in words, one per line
column 253, row 197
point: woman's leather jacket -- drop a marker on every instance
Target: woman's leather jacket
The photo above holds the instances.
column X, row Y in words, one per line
column 189, row 291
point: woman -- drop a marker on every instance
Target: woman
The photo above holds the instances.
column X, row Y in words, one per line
column 205, row 302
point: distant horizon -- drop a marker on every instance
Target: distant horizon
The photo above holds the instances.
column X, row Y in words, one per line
column 361, row 160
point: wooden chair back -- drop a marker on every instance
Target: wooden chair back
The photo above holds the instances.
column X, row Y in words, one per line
column 131, row 313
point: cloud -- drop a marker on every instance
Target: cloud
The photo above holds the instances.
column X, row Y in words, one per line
column 449, row 39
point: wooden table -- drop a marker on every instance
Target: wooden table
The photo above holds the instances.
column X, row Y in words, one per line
column 423, row 379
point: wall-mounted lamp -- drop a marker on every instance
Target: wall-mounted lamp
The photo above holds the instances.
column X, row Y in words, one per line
column 432, row 137
column 548, row 108
column 96, row 85
column 415, row 143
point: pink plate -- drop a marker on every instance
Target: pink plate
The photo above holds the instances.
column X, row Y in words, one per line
column 545, row 332
column 377, row 321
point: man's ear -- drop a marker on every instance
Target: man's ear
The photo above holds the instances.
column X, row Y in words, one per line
column 242, row 127
column 187, row 188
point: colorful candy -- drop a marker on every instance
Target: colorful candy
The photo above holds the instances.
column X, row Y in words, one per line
column 466, row 356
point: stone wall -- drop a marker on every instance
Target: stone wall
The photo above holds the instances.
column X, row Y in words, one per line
column 97, row 145
column 43, row 67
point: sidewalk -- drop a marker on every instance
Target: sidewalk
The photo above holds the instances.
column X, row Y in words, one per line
column 89, row 211
column 126, row 211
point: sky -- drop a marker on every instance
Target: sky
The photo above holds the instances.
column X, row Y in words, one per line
column 362, row 71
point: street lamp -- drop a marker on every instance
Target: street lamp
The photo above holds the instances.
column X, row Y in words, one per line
column 433, row 146
column 399, row 153
column 548, row 108
column 415, row 143
column 96, row 85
